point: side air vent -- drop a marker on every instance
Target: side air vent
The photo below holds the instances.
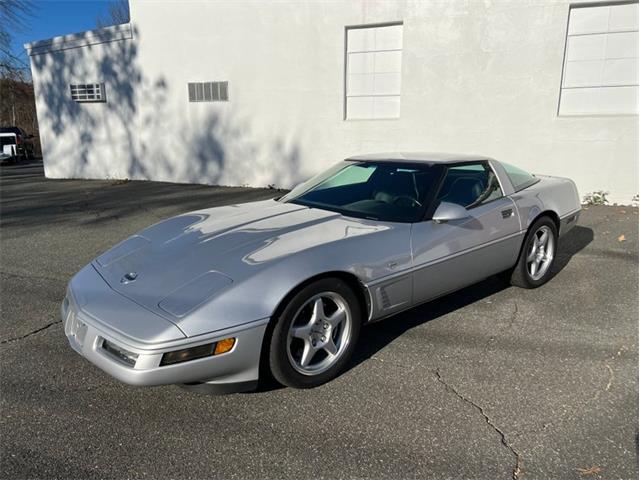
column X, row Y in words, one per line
column 384, row 298
column 393, row 295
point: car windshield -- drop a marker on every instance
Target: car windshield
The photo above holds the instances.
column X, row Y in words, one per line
column 385, row 191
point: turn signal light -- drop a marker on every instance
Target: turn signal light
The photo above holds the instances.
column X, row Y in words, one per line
column 223, row 346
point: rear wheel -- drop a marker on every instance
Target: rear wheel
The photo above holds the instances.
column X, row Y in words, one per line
column 315, row 335
column 535, row 264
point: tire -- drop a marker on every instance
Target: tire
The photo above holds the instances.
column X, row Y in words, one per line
column 523, row 274
column 324, row 316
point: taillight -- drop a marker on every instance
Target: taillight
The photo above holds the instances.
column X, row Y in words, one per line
column 18, row 140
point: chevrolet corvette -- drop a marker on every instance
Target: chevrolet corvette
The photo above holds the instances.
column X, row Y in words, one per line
column 210, row 299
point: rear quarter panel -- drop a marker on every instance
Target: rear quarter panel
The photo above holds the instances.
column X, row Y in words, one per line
column 555, row 194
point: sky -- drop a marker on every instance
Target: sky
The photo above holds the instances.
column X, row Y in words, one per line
column 52, row 18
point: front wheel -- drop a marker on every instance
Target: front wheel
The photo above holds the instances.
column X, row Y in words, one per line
column 535, row 264
column 316, row 334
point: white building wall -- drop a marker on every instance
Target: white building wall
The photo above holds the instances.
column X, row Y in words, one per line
column 88, row 140
column 477, row 77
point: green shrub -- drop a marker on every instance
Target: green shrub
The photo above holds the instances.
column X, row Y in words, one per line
column 599, row 197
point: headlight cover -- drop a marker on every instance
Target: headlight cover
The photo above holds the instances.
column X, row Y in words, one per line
column 201, row 351
column 120, row 353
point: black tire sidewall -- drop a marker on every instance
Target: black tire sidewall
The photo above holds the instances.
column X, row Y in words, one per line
column 279, row 363
column 522, row 264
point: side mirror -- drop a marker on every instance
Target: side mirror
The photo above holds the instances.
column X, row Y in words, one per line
column 447, row 211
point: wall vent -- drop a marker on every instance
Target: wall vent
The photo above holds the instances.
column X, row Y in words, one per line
column 208, row 91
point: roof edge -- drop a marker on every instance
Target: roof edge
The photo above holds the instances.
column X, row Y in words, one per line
column 428, row 157
column 80, row 39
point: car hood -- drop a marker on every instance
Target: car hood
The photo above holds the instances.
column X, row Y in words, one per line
column 176, row 265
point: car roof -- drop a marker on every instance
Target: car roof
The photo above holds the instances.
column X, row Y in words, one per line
column 418, row 157
column 9, row 130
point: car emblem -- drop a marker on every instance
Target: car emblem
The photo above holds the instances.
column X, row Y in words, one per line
column 129, row 277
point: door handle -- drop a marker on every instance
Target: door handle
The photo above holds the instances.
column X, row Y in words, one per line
column 392, row 264
column 507, row 213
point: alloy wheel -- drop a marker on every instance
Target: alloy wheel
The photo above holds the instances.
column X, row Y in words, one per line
column 319, row 334
column 541, row 252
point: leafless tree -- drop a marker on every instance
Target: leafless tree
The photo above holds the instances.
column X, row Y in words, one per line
column 13, row 67
column 14, row 15
column 17, row 103
column 117, row 14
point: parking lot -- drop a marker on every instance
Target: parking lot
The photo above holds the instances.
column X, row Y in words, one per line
column 492, row 382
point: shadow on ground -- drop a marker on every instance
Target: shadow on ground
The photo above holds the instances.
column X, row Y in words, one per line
column 29, row 200
column 377, row 336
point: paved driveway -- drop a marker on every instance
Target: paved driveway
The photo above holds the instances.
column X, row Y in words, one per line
column 485, row 383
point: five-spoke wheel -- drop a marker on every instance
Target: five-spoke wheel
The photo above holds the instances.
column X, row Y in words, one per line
column 315, row 334
column 541, row 252
column 535, row 263
column 320, row 333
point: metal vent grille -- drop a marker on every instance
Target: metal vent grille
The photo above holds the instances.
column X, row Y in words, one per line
column 384, row 297
column 88, row 92
column 208, row 91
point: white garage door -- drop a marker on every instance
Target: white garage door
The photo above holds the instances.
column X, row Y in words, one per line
column 600, row 75
column 373, row 73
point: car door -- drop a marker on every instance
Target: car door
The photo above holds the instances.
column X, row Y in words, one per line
column 450, row 255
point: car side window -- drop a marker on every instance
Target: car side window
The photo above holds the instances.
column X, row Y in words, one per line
column 518, row 177
column 469, row 185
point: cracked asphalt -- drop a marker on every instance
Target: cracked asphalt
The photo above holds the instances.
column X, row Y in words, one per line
column 492, row 382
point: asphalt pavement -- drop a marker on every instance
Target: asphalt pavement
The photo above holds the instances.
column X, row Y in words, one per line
column 492, row 382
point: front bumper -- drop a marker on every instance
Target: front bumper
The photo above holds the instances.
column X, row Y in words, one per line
column 87, row 336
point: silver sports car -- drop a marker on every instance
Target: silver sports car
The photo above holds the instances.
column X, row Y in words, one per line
column 209, row 299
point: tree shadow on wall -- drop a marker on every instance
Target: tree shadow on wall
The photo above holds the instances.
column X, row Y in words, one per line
column 132, row 135
column 223, row 152
column 89, row 126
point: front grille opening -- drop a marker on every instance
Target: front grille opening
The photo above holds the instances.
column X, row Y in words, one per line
column 120, row 353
